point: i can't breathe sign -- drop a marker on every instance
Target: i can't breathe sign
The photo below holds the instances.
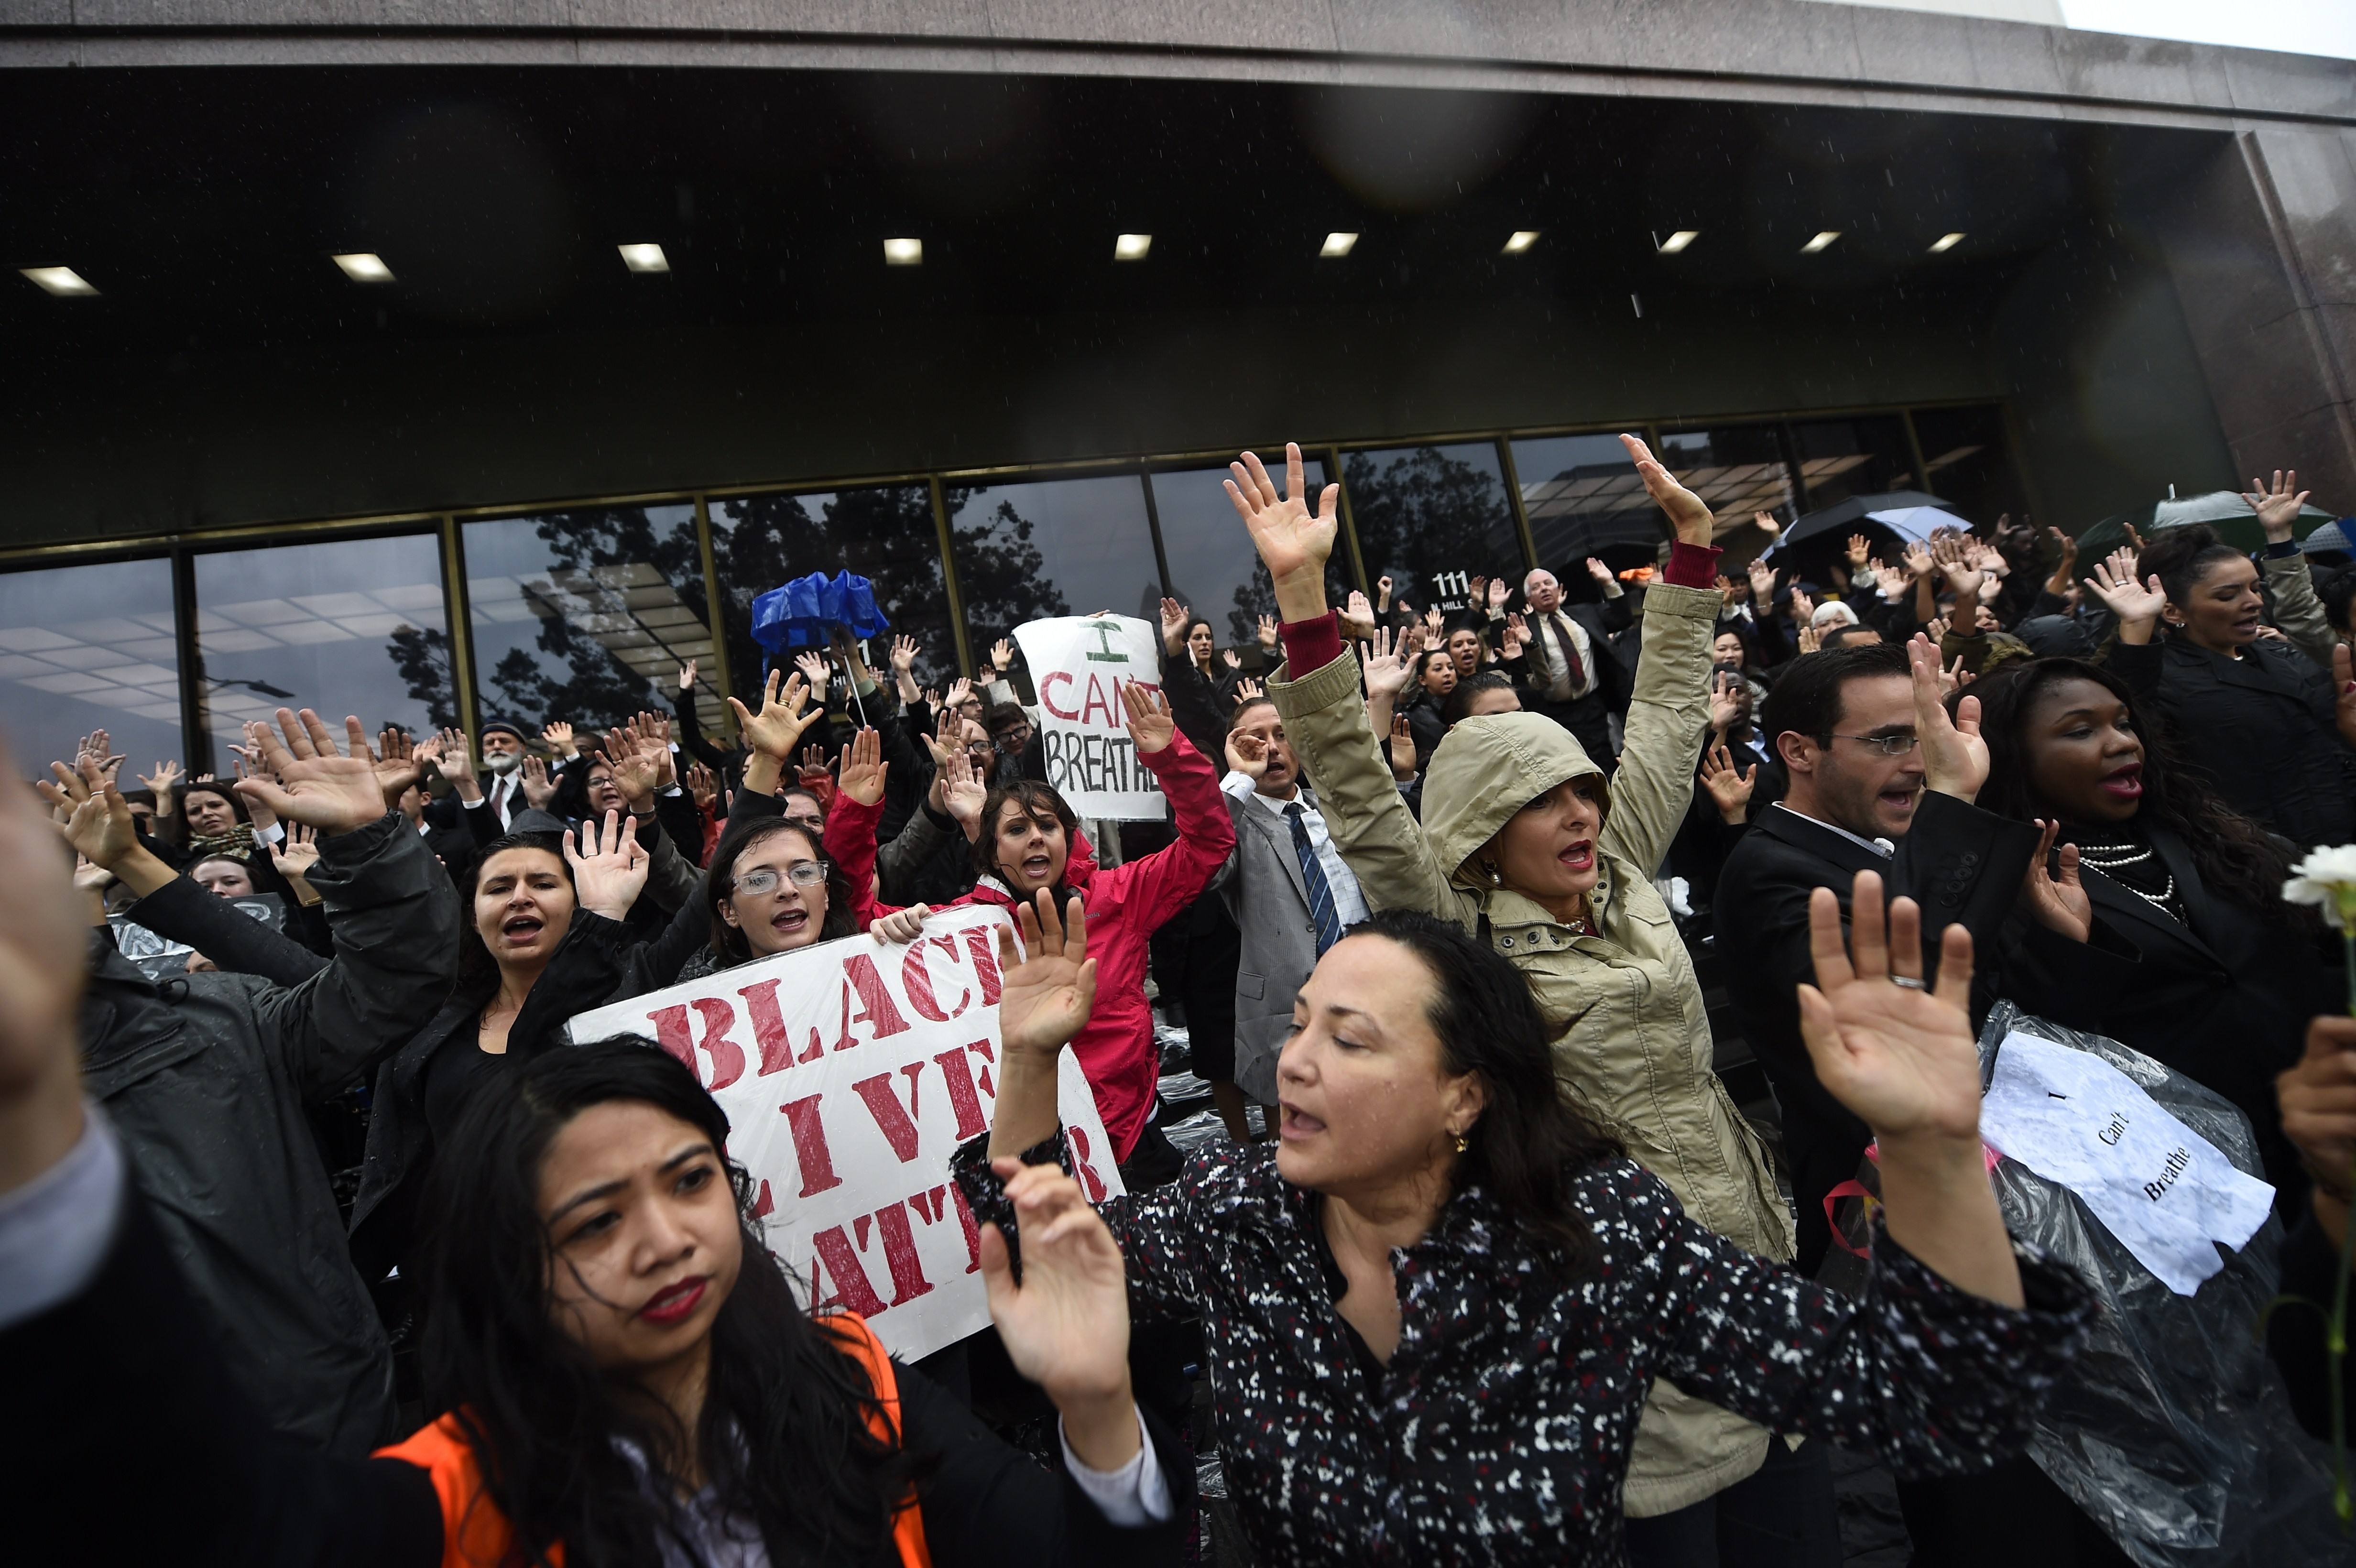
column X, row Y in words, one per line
column 1078, row 664
column 850, row 1072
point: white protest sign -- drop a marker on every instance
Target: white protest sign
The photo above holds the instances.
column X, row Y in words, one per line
column 1077, row 665
column 850, row 1072
column 2157, row 1185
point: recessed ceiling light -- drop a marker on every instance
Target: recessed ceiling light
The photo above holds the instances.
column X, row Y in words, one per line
column 59, row 280
column 1823, row 238
column 1521, row 240
column 903, row 253
column 1338, row 244
column 1132, row 247
column 1947, row 242
column 645, row 258
column 364, row 267
column 1679, row 240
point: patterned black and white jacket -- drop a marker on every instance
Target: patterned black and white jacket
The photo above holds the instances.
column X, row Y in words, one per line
column 1500, row 1431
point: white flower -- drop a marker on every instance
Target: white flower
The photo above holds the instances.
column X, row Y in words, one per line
column 2326, row 879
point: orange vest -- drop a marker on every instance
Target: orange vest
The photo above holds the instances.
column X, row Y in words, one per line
column 475, row 1534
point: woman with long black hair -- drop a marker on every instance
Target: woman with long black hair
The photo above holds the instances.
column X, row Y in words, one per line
column 2228, row 972
column 624, row 1373
column 1434, row 1310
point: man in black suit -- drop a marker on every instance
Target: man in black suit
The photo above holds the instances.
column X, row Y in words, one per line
column 488, row 806
column 1573, row 678
column 1880, row 779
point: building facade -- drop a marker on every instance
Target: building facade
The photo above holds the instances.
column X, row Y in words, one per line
column 976, row 300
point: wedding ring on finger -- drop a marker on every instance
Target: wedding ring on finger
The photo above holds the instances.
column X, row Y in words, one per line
column 1909, row 982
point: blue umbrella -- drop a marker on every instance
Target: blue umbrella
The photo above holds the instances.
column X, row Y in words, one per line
column 806, row 611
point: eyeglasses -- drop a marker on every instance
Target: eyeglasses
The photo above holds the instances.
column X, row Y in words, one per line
column 1888, row 745
column 803, row 874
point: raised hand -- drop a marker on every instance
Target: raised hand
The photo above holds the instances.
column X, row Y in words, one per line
column 633, row 763
column 1499, row 591
column 1600, row 573
column 2138, row 608
column 1729, row 790
column 1810, row 639
column 1151, row 727
column 1919, row 559
column 2058, row 903
column 161, row 781
column 704, row 785
column 1293, row 542
column 961, row 692
column 1044, row 999
column 1900, row 1056
column 396, row 763
column 1433, row 621
column 1766, row 524
column 817, row 674
column 1383, row 592
column 686, row 682
column 1175, row 619
column 1234, row 659
column 1001, row 654
column 2276, row 508
column 1386, row 666
column 1858, row 550
column 297, row 854
column 1402, row 745
column 1725, row 702
column 1804, row 609
column 314, row 785
column 454, row 756
column 90, row 812
column 559, row 734
column 1249, row 690
column 2066, row 562
column 1247, row 754
column 1516, row 637
column 777, row 728
column 1065, row 1326
column 1360, row 615
column 1954, row 758
column 539, row 789
column 609, row 869
column 864, row 769
column 904, row 655
column 1762, row 587
column 963, row 792
column 1266, row 633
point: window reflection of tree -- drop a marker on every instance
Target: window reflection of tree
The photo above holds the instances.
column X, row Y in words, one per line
column 1001, row 572
column 1426, row 512
column 886, row 536
column 422, row 658
column 584, row 598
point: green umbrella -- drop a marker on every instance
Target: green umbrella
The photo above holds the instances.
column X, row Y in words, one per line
column 2223, row 510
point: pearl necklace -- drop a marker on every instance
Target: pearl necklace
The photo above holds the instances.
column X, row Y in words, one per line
column 2109, row 859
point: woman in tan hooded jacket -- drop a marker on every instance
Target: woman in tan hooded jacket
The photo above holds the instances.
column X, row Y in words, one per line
column 1523, row 842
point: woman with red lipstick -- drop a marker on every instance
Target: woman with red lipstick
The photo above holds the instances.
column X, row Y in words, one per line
column 2228, row 974
column 2265, row 719
column 1432, row 1312
column 1523, row 842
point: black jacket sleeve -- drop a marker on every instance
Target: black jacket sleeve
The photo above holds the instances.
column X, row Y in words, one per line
column 236, row 943
column 691, row 738
column 305, row 925
column 215, row 1487
column 989, row 1505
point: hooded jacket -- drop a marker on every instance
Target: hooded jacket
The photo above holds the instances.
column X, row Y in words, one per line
column 1634, row 1049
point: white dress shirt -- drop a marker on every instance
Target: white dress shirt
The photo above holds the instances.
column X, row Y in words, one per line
column 1349, row 903
column 1882, row 847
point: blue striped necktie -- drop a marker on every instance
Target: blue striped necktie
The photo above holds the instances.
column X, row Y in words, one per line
column 1313, row 873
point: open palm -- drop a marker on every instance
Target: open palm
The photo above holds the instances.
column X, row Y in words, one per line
column 1065, row 1327
column 1902, row 1058
column 1294, row 541
column 314, row 785
column 2115, row 584
column 1046, row 997
column 776, row 729
column 1150, row 723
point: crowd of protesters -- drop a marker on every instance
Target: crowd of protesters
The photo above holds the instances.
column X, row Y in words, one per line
column 334, row 1249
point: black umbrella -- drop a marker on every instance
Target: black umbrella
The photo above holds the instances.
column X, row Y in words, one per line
column 1856, row 514
column 2223, row 510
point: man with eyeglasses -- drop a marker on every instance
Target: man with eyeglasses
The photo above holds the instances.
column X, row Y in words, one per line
column 1880, row 780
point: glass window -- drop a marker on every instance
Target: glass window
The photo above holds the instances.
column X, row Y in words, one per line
column 1971, row 467
column 1052, row 546
column 1213, row 570
column 89, row 647
column 1431, row 517
column 1736, row 469
column 1841, row 458
column 586, row 616
column 346, row 627
column 886, row 536
column 1583, row 499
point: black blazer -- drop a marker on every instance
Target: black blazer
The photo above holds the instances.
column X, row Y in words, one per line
column 1614, row 682
column 2223, row 999
column 1963, row 864
column 2262, row 729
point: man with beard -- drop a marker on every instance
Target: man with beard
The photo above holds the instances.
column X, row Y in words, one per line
column 495, row 797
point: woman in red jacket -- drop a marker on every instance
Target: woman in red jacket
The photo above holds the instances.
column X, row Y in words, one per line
column 1025, row 837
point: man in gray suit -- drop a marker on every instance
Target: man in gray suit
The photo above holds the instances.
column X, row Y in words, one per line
column 1286, row 884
